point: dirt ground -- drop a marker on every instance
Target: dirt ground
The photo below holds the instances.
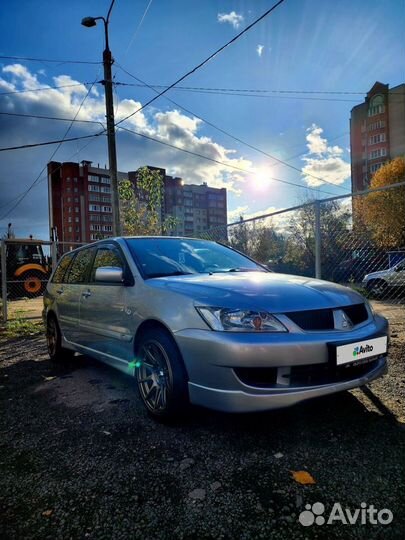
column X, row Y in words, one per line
column 80, row 458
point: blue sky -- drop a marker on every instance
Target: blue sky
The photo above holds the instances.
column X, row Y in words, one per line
column 305, row 45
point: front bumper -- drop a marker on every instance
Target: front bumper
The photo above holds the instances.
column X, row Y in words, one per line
column 211, row 358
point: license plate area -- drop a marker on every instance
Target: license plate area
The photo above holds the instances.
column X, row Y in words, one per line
column 356, row 353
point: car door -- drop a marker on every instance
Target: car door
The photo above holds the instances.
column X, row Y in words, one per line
column 105, row 319
column 70, row 293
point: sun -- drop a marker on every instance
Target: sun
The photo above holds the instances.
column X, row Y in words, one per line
column 261, row 179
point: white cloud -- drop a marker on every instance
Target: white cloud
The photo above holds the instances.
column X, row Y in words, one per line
column 234, row 215
column 259, row 50
column 323, row 161
column 172, row 127
column 233, row 18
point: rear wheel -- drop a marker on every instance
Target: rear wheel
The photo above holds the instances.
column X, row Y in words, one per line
column 161, row 375
column 56, row 352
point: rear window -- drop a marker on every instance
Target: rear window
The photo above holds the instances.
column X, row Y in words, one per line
column 62, row 267
column 79, row 270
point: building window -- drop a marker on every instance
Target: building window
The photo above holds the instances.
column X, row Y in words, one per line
column 379, row 152
column 75, row 189
column 375, row 167
column 94, row 217
column 69, row 209
column 69, row 199
column 374, row 139
column 107, row 228
column 70, row 229
column 107, row 218
column 94, row 188
column 93, row 178
column 106, row 199
column 376, row 105
column 94, row 208
column 76, row 209
column 105, row 189
column 69, row 219
column 95, row 227
column 94, row 197
column 107, row 209
column 105, row 180
column 76, row 219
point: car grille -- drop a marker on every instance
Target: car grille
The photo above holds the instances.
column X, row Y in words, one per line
column 322, row 319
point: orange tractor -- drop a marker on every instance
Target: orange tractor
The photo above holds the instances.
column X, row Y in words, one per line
column 27, row 268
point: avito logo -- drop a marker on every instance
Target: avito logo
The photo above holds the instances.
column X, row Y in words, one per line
column 361, row 350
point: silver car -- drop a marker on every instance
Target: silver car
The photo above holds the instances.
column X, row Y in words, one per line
column 197, row 322
column 379, row 283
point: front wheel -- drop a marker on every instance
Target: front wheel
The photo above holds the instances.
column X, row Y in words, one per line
column 161, row 375
column 56, row 352
column 378, row 288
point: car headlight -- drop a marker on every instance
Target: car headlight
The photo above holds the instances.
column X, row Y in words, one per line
column 240, row 320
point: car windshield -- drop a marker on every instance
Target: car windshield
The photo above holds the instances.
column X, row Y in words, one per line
column 160, row 257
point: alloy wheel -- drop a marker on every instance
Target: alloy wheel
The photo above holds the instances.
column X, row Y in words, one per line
column 52, row 337
column 154, row 376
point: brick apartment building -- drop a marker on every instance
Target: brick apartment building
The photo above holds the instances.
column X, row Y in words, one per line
column 80, row 202
column 377, row 132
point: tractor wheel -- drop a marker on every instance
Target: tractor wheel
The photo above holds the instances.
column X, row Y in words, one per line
column 32, row 284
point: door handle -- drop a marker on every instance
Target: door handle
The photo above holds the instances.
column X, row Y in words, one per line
column 86, row 294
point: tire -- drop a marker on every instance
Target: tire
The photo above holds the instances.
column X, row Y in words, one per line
column 378, row 288
column 56, row 352
column 161, row 376
column 32, row 284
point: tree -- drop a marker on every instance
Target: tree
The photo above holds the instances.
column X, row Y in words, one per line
column 383, row 213
column 141, row 206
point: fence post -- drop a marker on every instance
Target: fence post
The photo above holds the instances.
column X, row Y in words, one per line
column 54, row 254
column 4, row 279
column 318, row 253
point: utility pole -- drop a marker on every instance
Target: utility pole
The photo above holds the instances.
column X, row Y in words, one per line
column 109, row 108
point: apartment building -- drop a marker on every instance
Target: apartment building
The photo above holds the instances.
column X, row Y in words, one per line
column 377, row 132
column 80, row 202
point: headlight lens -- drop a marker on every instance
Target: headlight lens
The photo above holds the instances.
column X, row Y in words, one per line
column 240, row 320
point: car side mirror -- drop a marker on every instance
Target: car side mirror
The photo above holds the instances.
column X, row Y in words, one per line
column 109, row 274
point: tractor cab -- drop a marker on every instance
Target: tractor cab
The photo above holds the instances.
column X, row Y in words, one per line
column 28, row 269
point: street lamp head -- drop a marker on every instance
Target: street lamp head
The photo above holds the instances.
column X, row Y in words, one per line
column 89, row 22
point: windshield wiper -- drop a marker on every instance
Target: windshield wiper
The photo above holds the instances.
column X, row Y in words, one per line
column 240, row 269
column 168, row 274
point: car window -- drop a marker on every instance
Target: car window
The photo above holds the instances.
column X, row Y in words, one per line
column 62, row 267
column 106, row 256
column 80, row 268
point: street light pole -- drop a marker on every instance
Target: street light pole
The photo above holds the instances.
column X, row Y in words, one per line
column 109, row 107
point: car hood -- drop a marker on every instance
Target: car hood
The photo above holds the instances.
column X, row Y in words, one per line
column 381, row 273
column 259, row 290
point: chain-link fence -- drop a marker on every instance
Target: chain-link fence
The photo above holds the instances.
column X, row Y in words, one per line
column 26, row 265
column 357, row 241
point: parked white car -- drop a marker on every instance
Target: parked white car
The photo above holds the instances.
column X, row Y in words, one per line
column 380, row 282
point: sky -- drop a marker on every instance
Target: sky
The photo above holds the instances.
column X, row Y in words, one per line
column 304, row 46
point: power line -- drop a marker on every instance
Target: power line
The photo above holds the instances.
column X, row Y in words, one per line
column 19, row 201
column 29, row 59
column 251, row 90
column 23, row 115
column 201, row 64
column 42, row 178
column 202, row 156
column 282, row 162
column 47, row 143
column 44, row 88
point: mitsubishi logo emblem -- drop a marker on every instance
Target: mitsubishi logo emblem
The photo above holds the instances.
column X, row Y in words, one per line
column 341, row 320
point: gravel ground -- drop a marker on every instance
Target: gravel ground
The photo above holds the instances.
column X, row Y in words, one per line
column 79, row 458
